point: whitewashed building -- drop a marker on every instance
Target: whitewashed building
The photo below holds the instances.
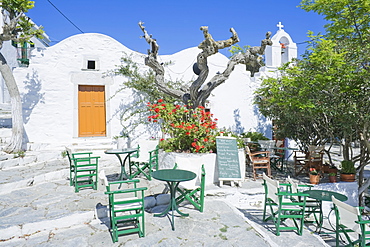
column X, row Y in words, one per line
column 68, row 93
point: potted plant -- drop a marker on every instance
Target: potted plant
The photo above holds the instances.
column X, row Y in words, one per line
column 332, row 169
column 122, row 140
column 314, row 176
column 348, row 171
column 333, row 177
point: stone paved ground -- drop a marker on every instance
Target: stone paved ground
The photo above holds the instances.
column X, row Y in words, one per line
column 39, row 208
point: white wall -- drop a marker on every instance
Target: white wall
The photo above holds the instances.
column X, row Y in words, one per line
column 49, row 87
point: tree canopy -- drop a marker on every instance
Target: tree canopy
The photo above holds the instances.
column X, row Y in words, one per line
column 325, row 95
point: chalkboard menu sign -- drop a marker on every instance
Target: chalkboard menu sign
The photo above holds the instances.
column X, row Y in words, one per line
column 227, row 158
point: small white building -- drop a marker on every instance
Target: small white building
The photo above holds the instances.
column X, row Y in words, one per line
column 69, row 94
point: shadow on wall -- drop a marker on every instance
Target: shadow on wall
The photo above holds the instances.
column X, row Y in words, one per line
column 133, row 113
column 239, row 129
column 33, row 96
column 263, row 126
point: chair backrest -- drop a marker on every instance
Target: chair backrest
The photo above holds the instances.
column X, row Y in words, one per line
column 137, row 153
column 267, row 144
column 348, row 215
column 69, row 155
column 279, row 143
column 153, row 158
column 271, row 188
column 103, row 179
column 293, row 187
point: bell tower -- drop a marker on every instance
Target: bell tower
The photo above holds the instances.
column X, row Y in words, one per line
column 283, row 49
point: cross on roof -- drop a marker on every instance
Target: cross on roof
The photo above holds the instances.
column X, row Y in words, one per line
column 279, row 25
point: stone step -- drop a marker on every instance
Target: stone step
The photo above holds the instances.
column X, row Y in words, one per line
column 30, row 157
column 38, row 169
column 45, row 207
column 49, row 203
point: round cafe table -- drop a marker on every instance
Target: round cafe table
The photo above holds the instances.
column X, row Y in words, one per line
column 173, row 177
column 320, row 196
column 118, row 153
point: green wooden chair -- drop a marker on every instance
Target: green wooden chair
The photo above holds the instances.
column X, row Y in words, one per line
column 350, row 223
column 72, row 156
column 312, row 206
column 282, row 207
column 144, row 165
column 83, row 170
column 194, row 195
column 126, row 207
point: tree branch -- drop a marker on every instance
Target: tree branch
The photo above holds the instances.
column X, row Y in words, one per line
column 196, row 94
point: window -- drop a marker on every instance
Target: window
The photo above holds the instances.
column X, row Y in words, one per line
column 90, row 64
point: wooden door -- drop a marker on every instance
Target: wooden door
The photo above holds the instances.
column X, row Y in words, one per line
column 91, row 111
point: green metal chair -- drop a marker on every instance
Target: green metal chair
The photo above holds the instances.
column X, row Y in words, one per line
column 312, row 206
column 72, row 156
column 144, row 166
column 282, row 207
column 126, row 207
column 194, row 195
column 349, row 222
column 83, row 170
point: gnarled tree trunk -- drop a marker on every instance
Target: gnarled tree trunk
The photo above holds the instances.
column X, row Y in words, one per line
column 197, row 93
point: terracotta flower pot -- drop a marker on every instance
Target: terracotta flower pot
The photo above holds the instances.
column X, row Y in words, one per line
column 347, row 177
column 333, row 170
column 314, row 179
column 333, row 179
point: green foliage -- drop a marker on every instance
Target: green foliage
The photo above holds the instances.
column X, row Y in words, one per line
column 255, row 136
column 64, row 154
column 18, row 28
column 325, row 95
column 19, row 154
column 239, row 138
column 348, row 167
column 235, row 49
column 142, row 82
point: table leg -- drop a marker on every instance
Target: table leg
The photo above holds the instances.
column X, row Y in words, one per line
column 172, row 206
column 321, row 218
column 123, row 172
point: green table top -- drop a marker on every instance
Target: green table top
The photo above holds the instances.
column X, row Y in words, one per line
column 325, row 195
column 120, row 151
column 173, row 175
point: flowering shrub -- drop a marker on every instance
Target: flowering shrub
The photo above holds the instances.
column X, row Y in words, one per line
column 189, row 130
column 313, row 171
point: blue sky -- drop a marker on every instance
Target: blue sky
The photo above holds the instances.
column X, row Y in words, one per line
column 175, row 24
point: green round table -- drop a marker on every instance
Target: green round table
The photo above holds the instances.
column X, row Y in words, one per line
column 173, row 177
column 320, row 196
column 118, row 152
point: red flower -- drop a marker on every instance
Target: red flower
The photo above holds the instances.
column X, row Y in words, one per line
column 156, row 110
column 161, row 140
column 160, row 100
